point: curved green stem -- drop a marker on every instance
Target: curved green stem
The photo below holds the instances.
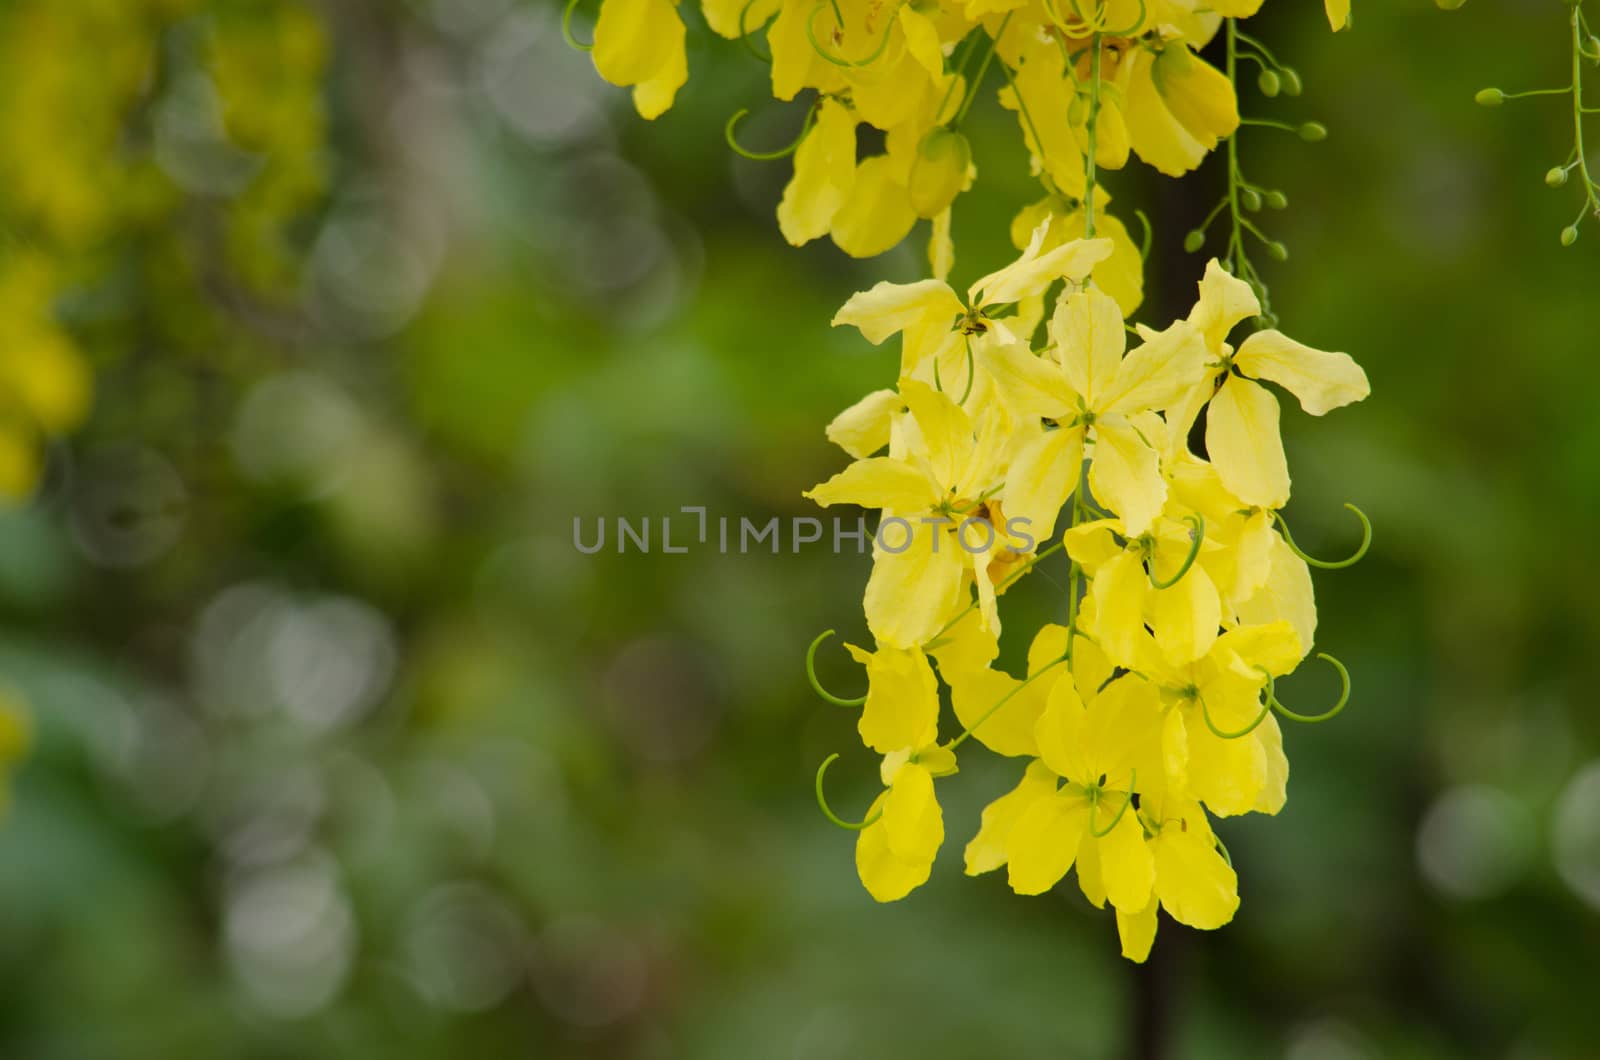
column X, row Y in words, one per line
column 816, row 685
column 962, row 737
column 566, row 28
column 1266, row 708
column 1091, row 130
column 1126, row 802
column 1196, row 536
column 765, row 156
column 1327, row 715
column 1149, row 235
column 1339, row 564
column 983, row 69
column 822, row 801
column 745, row 31
column 811, row 34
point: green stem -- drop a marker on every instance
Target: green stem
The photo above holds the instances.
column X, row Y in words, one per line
column 1591, row 203
column 1091, row 131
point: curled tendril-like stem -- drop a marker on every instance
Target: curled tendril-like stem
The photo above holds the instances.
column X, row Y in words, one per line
column 1126, row 802
column 1237, row 734
column 1338, row 564
column 811, row 34
column 1327, row 715
column 1149, row 235
column 566, row 28
column 822, row 801
column 816, row 685
column 745, row 31
column 765, row 156
column 1197, row 536
column 1088, row 26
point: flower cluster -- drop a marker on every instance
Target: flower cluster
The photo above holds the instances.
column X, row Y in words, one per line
column 1030, row 417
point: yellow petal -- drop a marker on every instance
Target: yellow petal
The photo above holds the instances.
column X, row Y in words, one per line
column 1118, row 593
column 877, row 215
column 1224, row 301
column 886, row 876
column 1044, row 842
column 1199, row 95
column 1194, row 883
column 1287, row 594
column 1126, row 864
column 909, row 593
column 723, row 16
column 878, row 482
column 987, row 850
column 1322, row 381
column 1037, row 269
column 1338, row 13
column 653, row 96
column 635, row 40
column 902, row 708
column 1157, row 372
column 1087, row 329
column 911, row 815
column 1137, row 932
column 889, row 308
column 1042, row 477
column 863, row 428
column 1125, row 473
column 824, row 172
column 1243, row 441
column 1154, row 133
column 1186, row 616
column 1030, row 386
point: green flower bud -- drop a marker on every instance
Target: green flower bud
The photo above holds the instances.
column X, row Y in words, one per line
column 1269, row 83
column 1448, row 5
column 1591, row 48
column 1277, row 200
column 1313, row 131
column 1490, row 97
column 940, row 171
column 1569, row 235
column 1278, row 251
column 1251, row 199
column 1291, row 81
column 1194, row 240
column 1556, row 177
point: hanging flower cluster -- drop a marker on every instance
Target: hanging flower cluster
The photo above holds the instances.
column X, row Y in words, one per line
column 1031, row 417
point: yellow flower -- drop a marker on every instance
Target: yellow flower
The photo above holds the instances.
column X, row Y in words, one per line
column 925, row 313
column 1092, row 393
column 1193, row 882
column 640, row 43
column 1178, row 107
column 895, row 853
column 1338, row 14
column 1219, row 745
column 1185, row 615
column 1242, row 437
column 935, row 487
column 1121, row 274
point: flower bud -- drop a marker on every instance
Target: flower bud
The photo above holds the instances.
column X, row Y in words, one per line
column 1251, row 199
column 1591, row 48
column 940, row 171
column 1277, row 200
column 1569, row 235
column 1194, row 240
column 1556, row 177
column 1278, row 251
column 1291, row 81
column 1490, row 97
column 1313, row 131
column 1448, row 5
column 1269, row 83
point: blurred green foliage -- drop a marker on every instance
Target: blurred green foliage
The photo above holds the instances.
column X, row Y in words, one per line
column 342, row 749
